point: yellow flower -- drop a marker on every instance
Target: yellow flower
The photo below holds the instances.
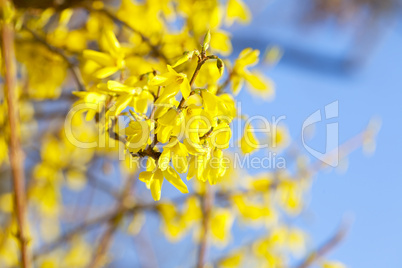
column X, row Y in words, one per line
column 216, row 167
column 278, row 138
column 221, row 135
column 253, row 211
column 215, row 107
column 172, row 224
column 198, row 124
column 258, row 83
column 192, row 212
column 169, row 124
column 290, row 195
column 125, row 96
column 220, row 42
column 79, row 254
column 176, row 151
column 93, row 102
column 110, row 61
column 173, row 83
column 234, row 260
column 220, row 223
column 249, row 142
column 197, row 166
column 237, row 10
column 138, row 135
column 154, row 180
column 171, row 176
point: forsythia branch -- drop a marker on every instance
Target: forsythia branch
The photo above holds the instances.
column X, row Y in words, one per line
column 201, row 60
column 208, row 200
column 96, row 221
column 326, row 247
column 16, row 153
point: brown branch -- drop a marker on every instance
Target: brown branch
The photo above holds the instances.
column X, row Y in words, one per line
column 103, row 186
column 341, row 151
column 152, row 115
column 145, row 252
column 222, row 87
column 201, row 62
column 73, row 68
column 148, row 152
column 86, row 226
column 16, row 153
column 91, row 224
column 208, row 200
column 326, row 247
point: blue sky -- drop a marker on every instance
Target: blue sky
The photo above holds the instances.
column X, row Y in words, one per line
column 369, row 191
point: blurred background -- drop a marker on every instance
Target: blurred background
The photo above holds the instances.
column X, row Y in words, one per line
column 316, row 52
column 346, row 51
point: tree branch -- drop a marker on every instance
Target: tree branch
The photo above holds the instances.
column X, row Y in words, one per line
column 201, row 62
column 208, row 200
column 16, row 153
column 90, row 224
column 326, row 247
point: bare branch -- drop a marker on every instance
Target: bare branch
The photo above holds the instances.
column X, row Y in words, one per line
column 16, row 153
column 326, row 247
column 208, row 200
column 91, row 224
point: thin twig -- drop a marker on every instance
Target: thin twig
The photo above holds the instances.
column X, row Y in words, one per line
column 326, row 247
column 86, row 226
column 201, row 62
column 73, row 68
column 152, row 115
column 16, row 153
column 222, row 87
column 90, row 224
column 103, row 186
column 208, row 200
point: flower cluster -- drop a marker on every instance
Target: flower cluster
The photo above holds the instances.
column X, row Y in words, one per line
column 106, row 87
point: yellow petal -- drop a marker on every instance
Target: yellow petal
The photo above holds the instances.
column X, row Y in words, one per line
column 164, row 159
column 185, row 88
column 249, row 142
column 180, row 163
column 237, row 10
column 158, row 80
column 101, row 58
column 156, row 185
column 171, row 176
column 105, row 72
column 186, row 56
column 112, row 43
column 121, row 104
column 221, row 43
column 221, row 136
